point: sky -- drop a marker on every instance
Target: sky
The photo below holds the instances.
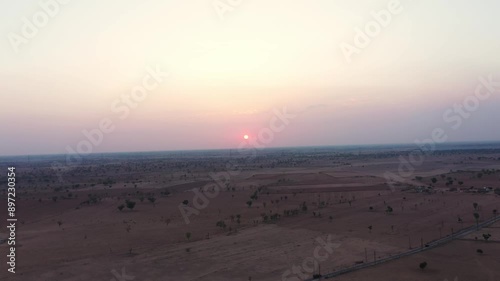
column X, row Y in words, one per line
column 67, row 67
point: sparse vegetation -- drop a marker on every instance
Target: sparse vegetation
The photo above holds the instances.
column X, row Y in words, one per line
column 476, row 217
column 130, row 204
column 221, row 224
column 486, row 236
column 423, row 265
column 152, row 199
column 413, row 217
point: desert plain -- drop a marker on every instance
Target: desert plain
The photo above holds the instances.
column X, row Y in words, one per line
column 277, row 214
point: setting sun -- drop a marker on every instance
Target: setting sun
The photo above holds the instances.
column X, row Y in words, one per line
column 245, row 137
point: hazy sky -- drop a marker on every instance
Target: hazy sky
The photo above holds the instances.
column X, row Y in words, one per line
column 227, row 76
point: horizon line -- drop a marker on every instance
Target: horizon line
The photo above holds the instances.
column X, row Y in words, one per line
column 265, row 148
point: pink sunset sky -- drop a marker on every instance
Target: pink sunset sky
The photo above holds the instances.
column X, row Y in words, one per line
column 229, row 74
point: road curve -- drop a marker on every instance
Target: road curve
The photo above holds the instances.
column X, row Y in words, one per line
column 428, row 246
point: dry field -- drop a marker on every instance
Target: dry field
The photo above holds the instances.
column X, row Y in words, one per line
column 268, row 218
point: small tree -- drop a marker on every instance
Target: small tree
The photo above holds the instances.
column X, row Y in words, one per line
column 486, row 236
column 389, row 210
column 304, row 207
column 121, row 207
column 152, row 199
column 185, row 202
column 475, row 206
column 130, row 204
column 60, row 223
column 188, row 235
column 476, row 216
column 249, row 203
column 434, row 180
column 221, row 224
column 423, row 265
column 479, row 251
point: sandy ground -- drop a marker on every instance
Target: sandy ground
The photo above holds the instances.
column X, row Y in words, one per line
column 347, row 199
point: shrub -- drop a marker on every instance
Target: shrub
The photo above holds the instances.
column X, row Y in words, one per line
column 130, row 204
column 423, row 265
